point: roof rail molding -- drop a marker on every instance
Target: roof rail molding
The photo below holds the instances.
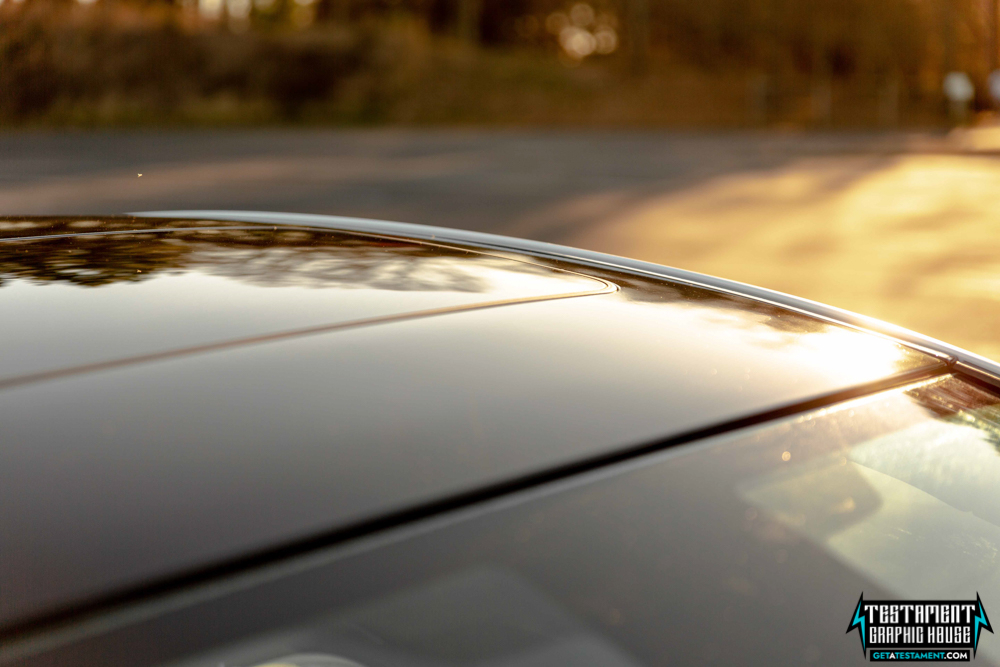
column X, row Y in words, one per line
column 960, row 360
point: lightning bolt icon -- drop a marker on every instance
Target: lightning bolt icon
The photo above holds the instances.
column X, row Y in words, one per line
column 859, row 622
column 980, row 622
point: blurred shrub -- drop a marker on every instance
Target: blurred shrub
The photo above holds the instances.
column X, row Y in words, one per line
column 110, row 63
column 71, row 62
column 707, row 62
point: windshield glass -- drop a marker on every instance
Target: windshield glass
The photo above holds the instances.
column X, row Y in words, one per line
column 751, row 547
column 917, row 509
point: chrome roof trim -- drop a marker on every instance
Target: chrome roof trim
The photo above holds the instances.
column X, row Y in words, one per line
column 960, row 360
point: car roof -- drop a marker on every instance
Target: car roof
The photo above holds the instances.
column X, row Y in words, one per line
column 202, row 392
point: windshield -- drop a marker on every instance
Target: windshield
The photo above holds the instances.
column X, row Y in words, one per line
column 917, row 509
column 751, row 547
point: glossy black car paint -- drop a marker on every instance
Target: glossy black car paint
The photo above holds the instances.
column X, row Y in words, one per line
column 179, row 441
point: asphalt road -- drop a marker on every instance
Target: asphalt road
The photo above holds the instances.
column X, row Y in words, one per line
column 899, row 226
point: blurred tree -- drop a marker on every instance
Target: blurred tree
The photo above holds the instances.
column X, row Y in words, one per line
column 469, row 15
column 638, row 32
column 993, row 32
column 341, row 10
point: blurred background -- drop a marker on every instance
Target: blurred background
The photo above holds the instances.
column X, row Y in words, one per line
column 697, row 63
column 841, row 150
